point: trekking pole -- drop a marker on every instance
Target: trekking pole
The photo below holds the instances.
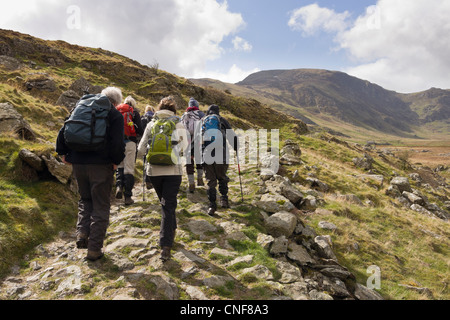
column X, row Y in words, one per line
column 144, row 175
column 240, row 179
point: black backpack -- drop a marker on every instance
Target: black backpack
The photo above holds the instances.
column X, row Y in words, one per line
column 87, row 127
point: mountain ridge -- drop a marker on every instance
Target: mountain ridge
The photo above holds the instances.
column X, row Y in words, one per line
column 324, row 94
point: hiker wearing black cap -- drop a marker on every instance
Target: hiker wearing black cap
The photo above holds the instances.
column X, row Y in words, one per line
column 216, row 131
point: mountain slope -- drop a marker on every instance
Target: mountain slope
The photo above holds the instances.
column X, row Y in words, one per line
column 341, row 102
column 322, row 180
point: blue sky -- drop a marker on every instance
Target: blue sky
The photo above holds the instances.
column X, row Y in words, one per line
column 276, row 46
column 401, row 45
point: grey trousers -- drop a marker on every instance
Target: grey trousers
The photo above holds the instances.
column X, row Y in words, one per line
column 95, row 183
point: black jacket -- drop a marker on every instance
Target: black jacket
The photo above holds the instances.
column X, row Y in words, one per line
column 114, row 152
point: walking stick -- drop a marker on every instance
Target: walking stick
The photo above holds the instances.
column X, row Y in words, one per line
column 240, row 179
column 144, row 175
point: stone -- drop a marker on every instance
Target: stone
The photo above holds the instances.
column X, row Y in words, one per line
column 364, row 293
column 309, row 203
column 32, row 160
column 317, row 295
column 413, row 198
column 323, row 246
column 279, row 246
column 216, row 281
column 127, row 243
column 9, row 63
column 290, row 192
column 327, row 225
column 289, row 272
column 223, row 252
column 245, row 259
column 68, row 99
column 41, row 83
column 299, row 254
column 265, row 240
column 269, row 165
column 195, row 294
column 61, row 171
column 317, row 184
column 200, row 227
column 259, row 271
column 12, row 121
column 364, row 163
column 281, row 223
column 402, row 184
column 274, row 203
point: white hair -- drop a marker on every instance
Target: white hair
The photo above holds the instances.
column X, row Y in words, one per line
column 130, row 101
column 114, row 95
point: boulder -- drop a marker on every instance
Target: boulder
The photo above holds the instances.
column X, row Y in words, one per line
column 9, row 63
column 12, row 121
column 290, row 192
column 323, row 246
column 41, row 83
column 299, row 254
column 274, row 203
column 59, row 170
column 32, row 160
column 402, row 184
column 281, row 224
column 413, row 198
column 291, row 153
column 68, row 99
column 365, row 162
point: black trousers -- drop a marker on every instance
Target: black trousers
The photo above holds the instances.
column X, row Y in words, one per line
column 216, row 174
column 94, row 207
column 167, row 188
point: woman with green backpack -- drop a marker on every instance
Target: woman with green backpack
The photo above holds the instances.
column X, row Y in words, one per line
column 163, row 140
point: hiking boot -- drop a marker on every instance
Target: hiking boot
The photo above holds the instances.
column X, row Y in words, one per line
column 94, row 255
column 165, row 254
column 128, row 201
column 211, row 211
column 119, row 193
column 148, row 185
column 224, row 203
column 82, row 241
column 200, row 182
column 191, row 187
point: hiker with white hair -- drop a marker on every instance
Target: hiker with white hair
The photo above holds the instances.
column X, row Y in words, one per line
column 94, row 159
column 133, row 129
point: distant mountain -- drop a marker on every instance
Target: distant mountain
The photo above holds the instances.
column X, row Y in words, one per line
column 312, row 95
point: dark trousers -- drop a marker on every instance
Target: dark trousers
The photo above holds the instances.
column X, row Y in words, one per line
column 190, row 168
column 167, row 188
column 216, row 174
column 94, row 186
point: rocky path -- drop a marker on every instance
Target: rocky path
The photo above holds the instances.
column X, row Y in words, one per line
column 256, row 250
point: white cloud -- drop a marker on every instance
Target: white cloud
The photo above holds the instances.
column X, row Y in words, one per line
column 233, row 75
column 181, row 35
column 401, row 45
column 312, row 18
column 241, row 44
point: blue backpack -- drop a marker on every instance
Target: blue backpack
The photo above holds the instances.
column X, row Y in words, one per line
column 87, row 127
column 213, row 123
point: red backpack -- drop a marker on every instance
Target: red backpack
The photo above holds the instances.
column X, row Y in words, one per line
column 127, row 112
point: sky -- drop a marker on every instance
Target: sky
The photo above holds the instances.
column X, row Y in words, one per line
column 401, row 45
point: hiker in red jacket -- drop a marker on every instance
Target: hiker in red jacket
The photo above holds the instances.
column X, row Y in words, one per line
column 133, row 129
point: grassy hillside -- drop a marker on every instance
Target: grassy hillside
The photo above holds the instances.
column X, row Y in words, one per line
column 409, row 247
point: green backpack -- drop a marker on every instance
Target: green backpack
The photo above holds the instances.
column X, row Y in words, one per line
column 160, row 145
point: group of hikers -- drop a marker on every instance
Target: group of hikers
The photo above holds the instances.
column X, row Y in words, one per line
column 104, row 136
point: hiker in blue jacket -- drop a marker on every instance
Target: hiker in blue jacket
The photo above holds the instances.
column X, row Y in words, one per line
column 216, row 160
